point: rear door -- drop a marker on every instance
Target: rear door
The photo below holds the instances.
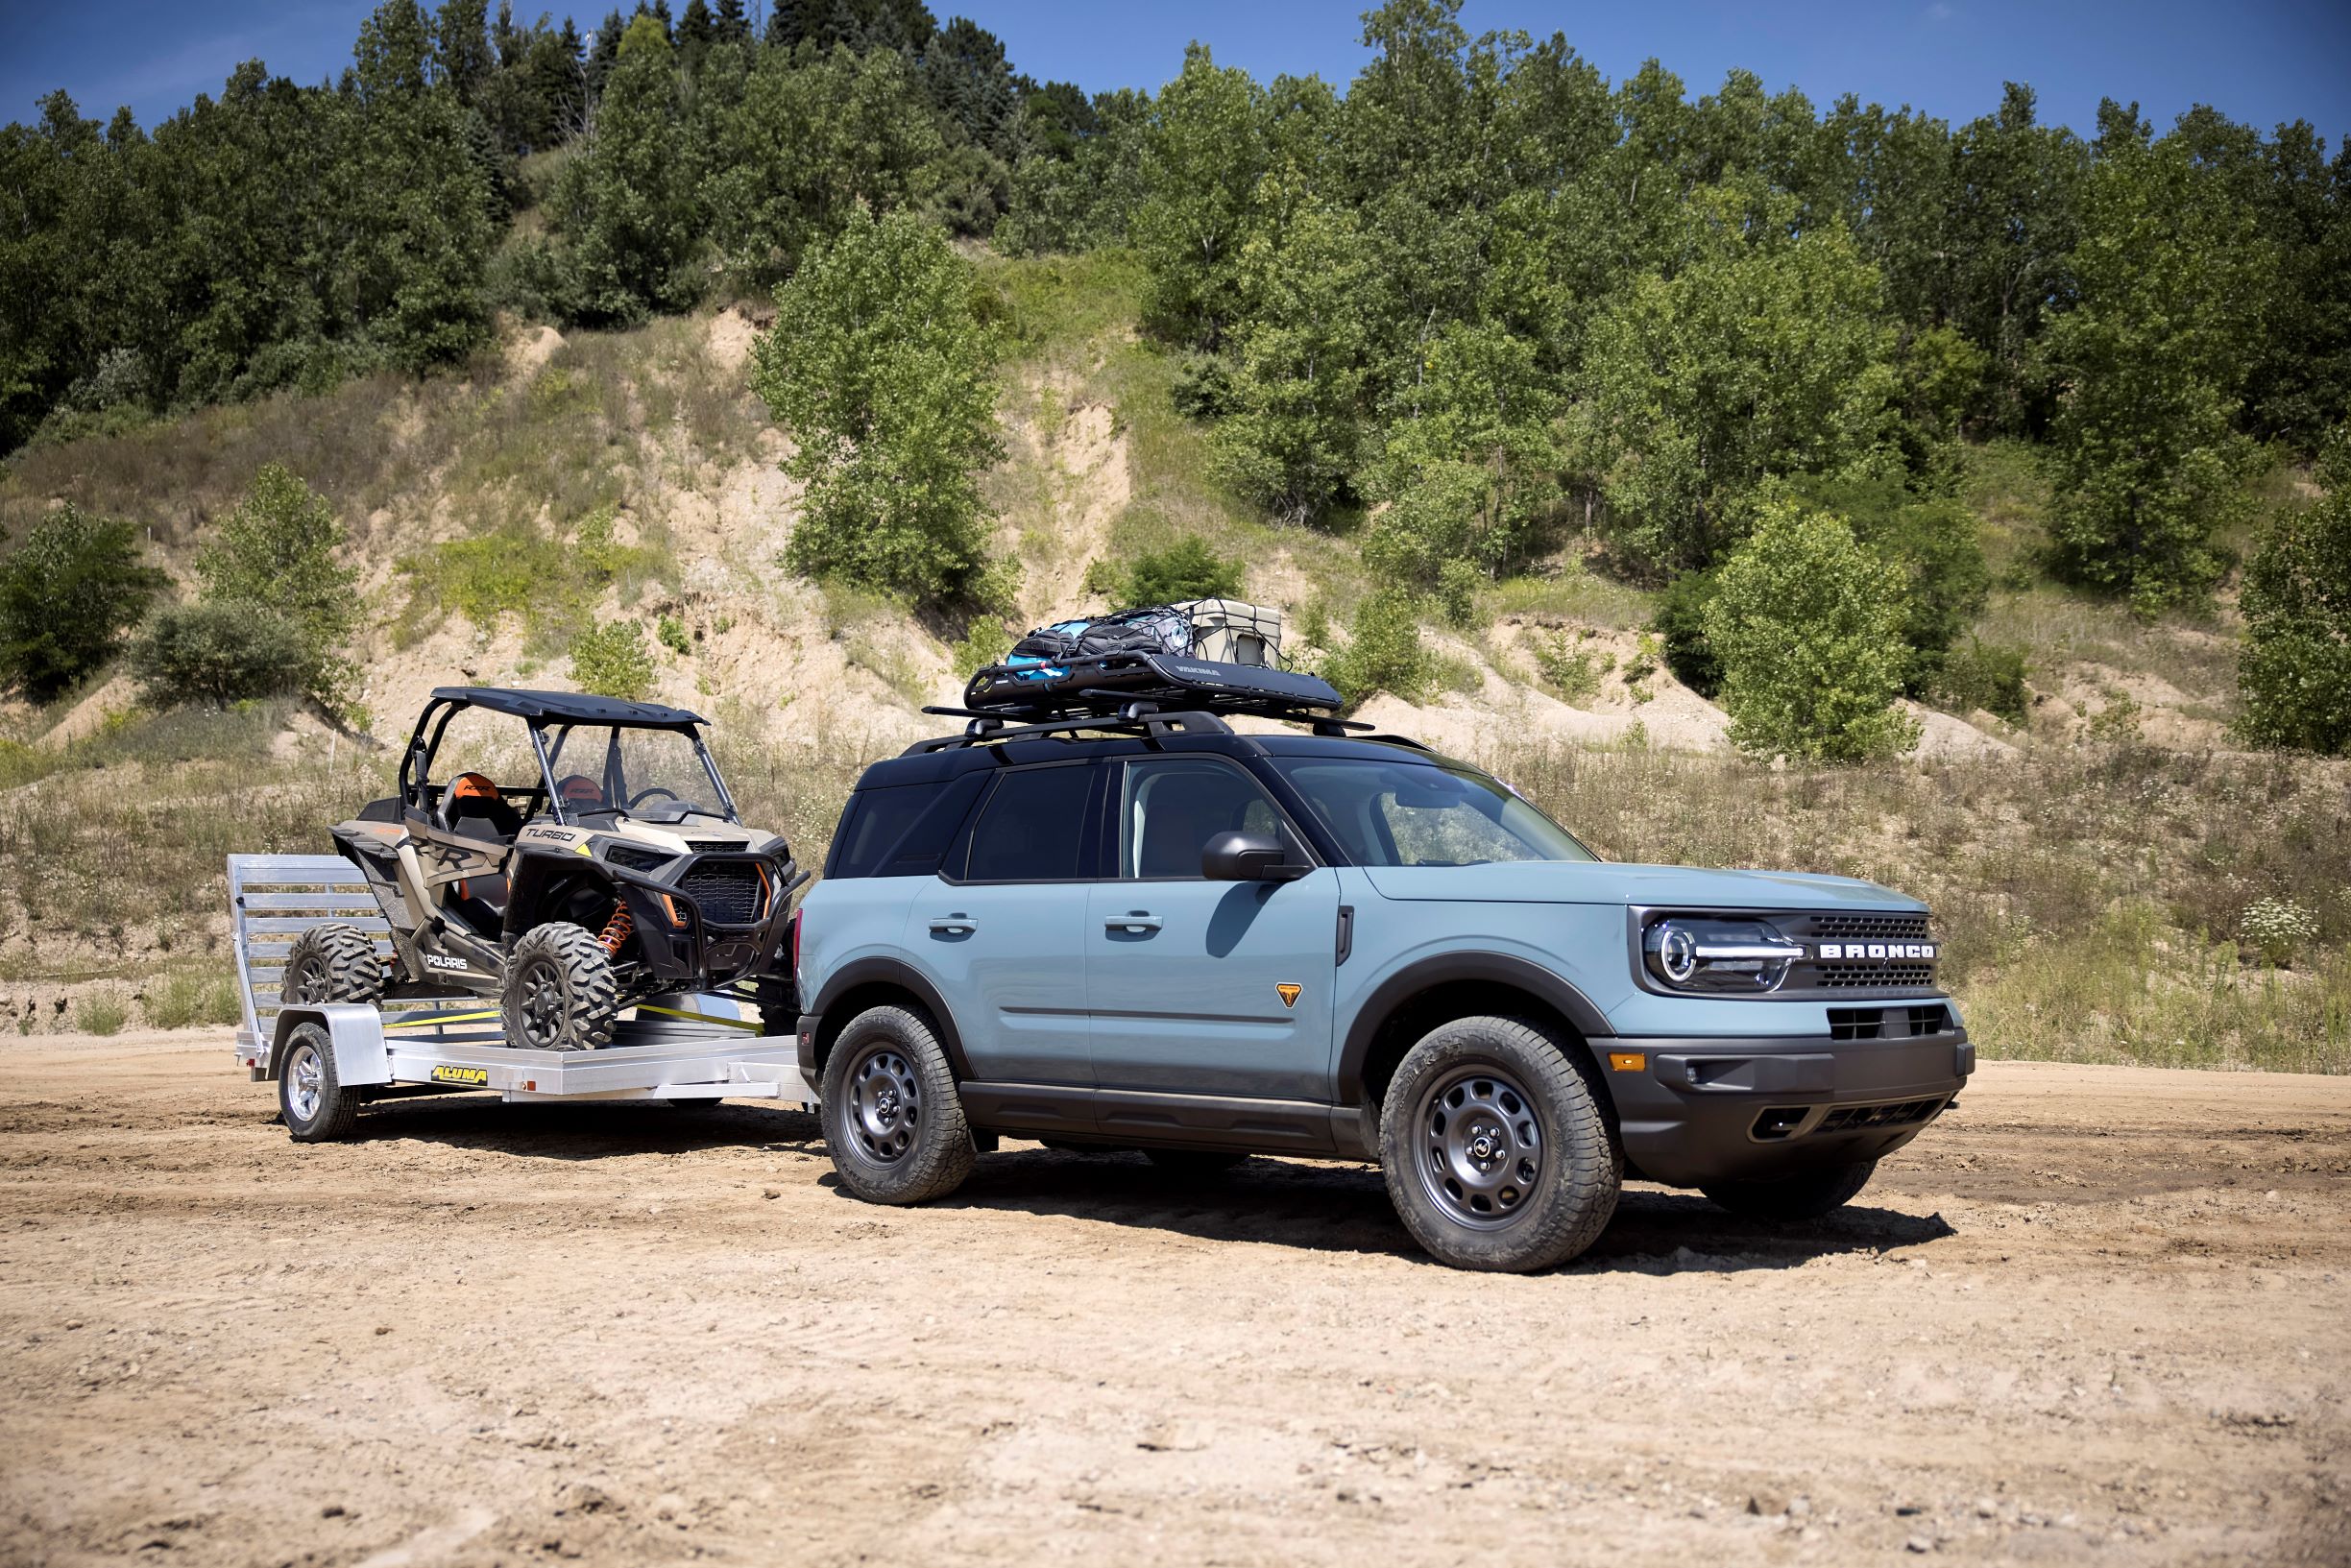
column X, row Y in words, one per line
column 1198, row 987
column 1000, row 928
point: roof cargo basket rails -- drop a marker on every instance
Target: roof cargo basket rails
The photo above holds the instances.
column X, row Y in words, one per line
column 1107, row 685
column 1136, row 718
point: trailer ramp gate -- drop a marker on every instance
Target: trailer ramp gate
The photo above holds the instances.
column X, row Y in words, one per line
column 681, row 1047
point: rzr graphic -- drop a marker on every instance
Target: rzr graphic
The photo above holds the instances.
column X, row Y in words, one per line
column 620, row 870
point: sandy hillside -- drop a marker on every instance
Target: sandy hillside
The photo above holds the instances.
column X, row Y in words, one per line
column 2095, row 1315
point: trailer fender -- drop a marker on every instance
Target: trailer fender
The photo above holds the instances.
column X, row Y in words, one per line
column 356, row 1031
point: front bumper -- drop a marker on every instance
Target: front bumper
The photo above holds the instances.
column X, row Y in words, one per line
column 1704, row 1110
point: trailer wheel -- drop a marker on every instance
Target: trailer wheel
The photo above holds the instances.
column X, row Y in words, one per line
column 560, row 992
column 891, row 1116
column 332, row 963
column 314, row 1105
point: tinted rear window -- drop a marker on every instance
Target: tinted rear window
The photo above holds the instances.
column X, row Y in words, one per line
column 902, row 831
column 1031, row 828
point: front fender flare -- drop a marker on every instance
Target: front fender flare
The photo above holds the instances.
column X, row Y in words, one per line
column 1451, row 968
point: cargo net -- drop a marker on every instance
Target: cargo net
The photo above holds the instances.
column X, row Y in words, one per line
column 1220, row 655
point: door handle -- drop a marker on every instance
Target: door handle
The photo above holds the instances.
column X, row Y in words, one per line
column 1132, row 922
column 954, row 926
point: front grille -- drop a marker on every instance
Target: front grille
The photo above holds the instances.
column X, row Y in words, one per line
column 1861, row 977
column 1854, row 1118
column 1825, row 928
column 1855, row 1023
column 727, row 891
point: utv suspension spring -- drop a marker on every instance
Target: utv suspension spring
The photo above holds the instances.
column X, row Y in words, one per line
column 617, row 930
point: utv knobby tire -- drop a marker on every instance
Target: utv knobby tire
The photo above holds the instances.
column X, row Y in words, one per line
column 891, row 1116
column 1808, row 1195
column 312, row 1101
column 332, row 963
column 559, row 993
column 1495, row 1151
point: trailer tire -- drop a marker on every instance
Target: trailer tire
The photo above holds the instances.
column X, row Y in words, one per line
column 312, row 1101
column 890, row 1113
column 560, row 992
column 332, row 963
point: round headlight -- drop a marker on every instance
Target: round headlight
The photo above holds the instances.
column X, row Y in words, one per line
column 1677, row 953
column 1720, row 954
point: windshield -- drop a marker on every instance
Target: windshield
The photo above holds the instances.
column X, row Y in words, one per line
column 655, row 775
column 1424, row 814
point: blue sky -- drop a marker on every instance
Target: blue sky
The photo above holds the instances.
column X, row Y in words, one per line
column 2259, row 61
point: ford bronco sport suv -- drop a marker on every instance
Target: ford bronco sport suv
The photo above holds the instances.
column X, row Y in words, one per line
column 607, row 868
column 1145, row 931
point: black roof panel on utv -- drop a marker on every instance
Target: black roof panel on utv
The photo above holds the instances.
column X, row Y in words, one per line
column 572, row 706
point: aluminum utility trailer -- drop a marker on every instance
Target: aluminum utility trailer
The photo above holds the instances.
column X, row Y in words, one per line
column 684, row 1048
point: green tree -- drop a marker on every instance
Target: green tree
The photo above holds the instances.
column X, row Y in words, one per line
column 218, row 652
column 1764, row 353
column 2294, row 669
column 882, row 370
column 275, row 556
column 625, row 203
column 1471, row 472
column 1202, row 158
column 68, row 591
column 1383, row 653
column 1291, row 440
column 1807, row 625
column 2145, row 461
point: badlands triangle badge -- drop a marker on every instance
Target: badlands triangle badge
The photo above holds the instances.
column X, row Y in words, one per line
column 1289, row 992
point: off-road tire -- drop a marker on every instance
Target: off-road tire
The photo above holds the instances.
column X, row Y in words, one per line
column 891, row 1116
column 1193, row 1161
column 1808, row 1195
column 312, row 1101
column 332, row 963
column 559, row 992
column 1556, row 1167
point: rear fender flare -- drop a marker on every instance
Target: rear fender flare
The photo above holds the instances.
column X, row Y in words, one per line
column 859, row 972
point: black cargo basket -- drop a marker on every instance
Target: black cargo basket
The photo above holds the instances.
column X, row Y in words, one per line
column 1106, row 682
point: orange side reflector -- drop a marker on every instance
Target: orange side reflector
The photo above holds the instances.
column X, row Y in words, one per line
column 1628, row 1061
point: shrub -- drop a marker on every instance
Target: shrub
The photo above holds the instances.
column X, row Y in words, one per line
column 1807, row 622
column 1384, row 652
column 1570, row 672
column 100, row 1012
column 1931, row 539
column 986, row 642
column 673, row 633
column 217, row 653
column 275, row 557
column 186, row 997
column 1457, row 593
column 2274, row 928
column 1985, row 675
column 2296, row 668
column 1186, row 569
column 68, row 593
column 612, row 661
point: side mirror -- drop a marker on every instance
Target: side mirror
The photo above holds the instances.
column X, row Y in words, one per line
column 1247, row 857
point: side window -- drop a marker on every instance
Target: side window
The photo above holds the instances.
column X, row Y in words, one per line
column 1169, row 809
column 1030, row 829
column 903, row 831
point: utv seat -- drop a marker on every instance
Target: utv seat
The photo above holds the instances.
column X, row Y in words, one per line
column 476, row 810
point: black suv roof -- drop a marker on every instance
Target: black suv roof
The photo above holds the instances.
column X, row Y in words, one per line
column 577, row 707
column 926, row 765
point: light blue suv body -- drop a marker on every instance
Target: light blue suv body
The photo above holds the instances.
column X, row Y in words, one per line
column 1192, row 939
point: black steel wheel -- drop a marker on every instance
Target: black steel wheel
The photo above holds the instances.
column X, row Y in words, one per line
column 560, row 993
column 891, row 1116
column 332, row 963
column 1495, row 1149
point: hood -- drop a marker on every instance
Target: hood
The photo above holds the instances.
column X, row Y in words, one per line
column 709, row 833
column 1580, row 881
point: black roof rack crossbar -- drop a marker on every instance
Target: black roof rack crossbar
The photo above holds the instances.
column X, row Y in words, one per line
column 1138, row 719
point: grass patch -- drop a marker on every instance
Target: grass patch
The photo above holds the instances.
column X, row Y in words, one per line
column 551, row 583
column 1578, row 595
column 100, row 1012
column 193, row 998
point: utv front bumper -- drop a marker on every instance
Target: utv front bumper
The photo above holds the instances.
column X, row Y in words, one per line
column 1695, row 1111
column 709, row 918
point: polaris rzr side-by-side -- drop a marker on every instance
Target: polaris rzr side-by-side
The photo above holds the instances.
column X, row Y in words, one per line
column 608, row 868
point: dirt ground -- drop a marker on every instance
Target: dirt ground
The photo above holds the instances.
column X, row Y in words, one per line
column 2094, row 1314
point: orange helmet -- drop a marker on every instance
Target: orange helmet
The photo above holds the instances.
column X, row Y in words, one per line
column 473, row 786
column 579, row 789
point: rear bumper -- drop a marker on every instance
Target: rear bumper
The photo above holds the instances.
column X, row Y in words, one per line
column 1705, row 1110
